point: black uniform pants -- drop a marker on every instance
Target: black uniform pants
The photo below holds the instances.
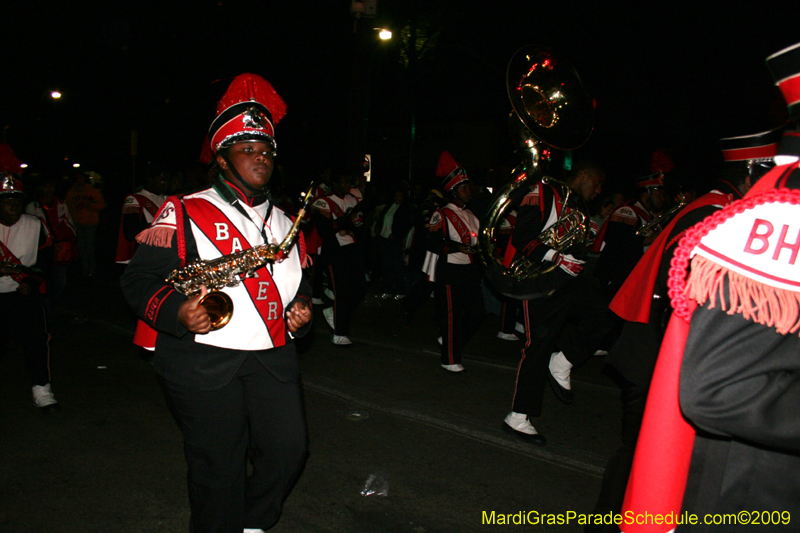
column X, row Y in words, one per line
column 256, row 411
column 618, row 468
column 22, row 319
column 508, row 316
column 460, row 312
column 573, row 320
column 346, row 276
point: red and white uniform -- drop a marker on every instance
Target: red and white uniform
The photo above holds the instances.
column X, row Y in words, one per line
column 146, row 205
column 19, row 244
column 219, row 229
column 459, row 225
column 334, row 207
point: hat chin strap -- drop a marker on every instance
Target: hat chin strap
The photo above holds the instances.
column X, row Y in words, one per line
column 241, row 180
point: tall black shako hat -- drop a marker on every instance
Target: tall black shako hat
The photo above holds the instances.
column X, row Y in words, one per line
column 452, row 173
column 785, row 69
column 757, row 146
column 247, row 112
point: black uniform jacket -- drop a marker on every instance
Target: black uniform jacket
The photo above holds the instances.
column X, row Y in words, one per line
column 178, row 358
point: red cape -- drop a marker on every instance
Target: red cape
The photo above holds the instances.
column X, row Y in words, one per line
column 664, row 449
column 632, row 301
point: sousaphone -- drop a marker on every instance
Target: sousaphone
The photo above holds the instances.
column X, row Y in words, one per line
column 551, row 110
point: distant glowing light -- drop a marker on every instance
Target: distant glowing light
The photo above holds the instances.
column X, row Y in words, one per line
column 23, row 165
column 55, row 95
column 76, row 165
column 385, row 35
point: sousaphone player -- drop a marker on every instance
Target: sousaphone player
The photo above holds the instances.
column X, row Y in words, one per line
column 564, row 312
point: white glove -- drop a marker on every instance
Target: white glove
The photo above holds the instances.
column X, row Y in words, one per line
column 569, row 264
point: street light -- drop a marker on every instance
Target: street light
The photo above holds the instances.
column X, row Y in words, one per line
column 384, row 34
column 55, row 95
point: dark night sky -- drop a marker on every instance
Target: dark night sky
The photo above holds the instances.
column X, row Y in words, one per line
column 675, row 75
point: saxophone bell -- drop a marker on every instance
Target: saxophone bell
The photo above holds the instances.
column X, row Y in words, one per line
column 219, row 307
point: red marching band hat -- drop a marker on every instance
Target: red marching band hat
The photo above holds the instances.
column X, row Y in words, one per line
column 762, row 145
column 10, row 184
column 651, row 180
column 247, row 112
column 452, row 173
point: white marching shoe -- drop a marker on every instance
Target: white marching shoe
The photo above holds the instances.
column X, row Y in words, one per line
column 341, row 340
column 519, row 425
column 453, row 368
column 507, row 336
column 44, row 399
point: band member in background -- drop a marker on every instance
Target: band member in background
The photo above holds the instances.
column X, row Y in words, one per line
column 25, row 257
column 138, row 211
column 562, row 327
column 53, row 213
column 643, row 303
column 340, row 222
column 452, row 263
column 237, row 387
column 721, row 429
column 85, row 203
column 619, row 246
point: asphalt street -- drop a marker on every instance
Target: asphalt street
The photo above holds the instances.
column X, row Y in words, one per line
column 397, row 444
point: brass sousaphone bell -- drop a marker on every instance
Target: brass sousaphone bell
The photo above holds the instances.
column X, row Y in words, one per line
column 552, row 108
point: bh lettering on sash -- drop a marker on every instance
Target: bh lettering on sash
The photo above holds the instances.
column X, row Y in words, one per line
column 272, row 313
column 758, row 242
column 223, row 235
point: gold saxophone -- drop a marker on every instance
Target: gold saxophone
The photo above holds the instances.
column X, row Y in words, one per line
column 655, row 225
column 18, row 268
column 230, row 270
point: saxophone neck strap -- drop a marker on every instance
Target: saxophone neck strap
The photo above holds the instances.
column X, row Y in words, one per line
column 229, row 195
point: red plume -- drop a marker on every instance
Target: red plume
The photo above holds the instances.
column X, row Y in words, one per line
column 8, row 159
column 661, row 161
column 446, row 165
column 246, row 87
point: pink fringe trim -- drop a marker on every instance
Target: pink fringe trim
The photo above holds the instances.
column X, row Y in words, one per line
column 157, row 236
column 755, row 301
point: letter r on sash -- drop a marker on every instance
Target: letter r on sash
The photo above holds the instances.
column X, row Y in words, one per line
column 273, row 311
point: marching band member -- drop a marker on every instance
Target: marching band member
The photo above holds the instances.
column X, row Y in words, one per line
column 642, row 300
column 563, row 327
column 234, row 388
column 138, row 211
column 619, row 245
column 340, row 222
column 721, row 430
column 452, row 263
column 25, row 256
